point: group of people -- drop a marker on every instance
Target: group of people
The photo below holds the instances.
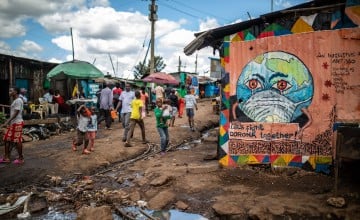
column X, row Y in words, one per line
column 55, row 102
column 132, row 107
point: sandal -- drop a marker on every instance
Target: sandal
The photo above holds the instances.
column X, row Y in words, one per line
column 18, row 161
column 86, row 151
column 92, row 149
column 73, row 147
column 3, row 160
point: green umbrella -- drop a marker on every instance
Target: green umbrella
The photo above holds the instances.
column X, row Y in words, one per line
column 75, row 69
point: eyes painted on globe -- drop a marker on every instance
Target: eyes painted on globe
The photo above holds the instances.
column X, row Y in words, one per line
column 274, row 87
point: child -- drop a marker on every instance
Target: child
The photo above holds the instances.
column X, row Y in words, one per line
column 92, row 128
column 136, row 118
column 83, row 118
column 167, row 109
column 190, row 103
column 161, row 124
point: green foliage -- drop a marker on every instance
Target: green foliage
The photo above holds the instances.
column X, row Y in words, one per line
column 141, row 69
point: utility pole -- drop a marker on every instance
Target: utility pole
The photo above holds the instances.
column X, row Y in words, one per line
column 152, row 17
column 72, row 43
column 179, row 67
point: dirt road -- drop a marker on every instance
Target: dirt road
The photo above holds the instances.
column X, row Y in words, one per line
column 183, row 179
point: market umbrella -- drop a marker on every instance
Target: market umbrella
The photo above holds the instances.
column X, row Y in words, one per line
column 161, row 78
column 75, row 69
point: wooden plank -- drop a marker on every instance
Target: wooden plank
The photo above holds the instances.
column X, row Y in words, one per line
column 41, row 121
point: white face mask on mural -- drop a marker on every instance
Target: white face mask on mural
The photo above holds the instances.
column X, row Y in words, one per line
column 269, row 106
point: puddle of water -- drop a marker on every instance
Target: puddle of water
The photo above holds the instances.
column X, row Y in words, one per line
column 196, row 141
column 55, row 215
column 184, row 147
column 164, row 215
column 205, row 134
column 177, row 215
column 161, row 215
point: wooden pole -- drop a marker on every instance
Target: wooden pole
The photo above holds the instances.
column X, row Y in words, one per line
column 152, row 18
column 10, row 73
column 72, row 43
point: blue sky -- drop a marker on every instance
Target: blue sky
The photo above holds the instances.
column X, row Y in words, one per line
column 40, row 29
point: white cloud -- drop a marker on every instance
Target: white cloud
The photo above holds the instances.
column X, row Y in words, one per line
column 54, row 60
column 101, row 31
column 208, row 23
column 4, row 46
column 12, row 28
column 283, row 3
column 94, row 3
column 30, row 46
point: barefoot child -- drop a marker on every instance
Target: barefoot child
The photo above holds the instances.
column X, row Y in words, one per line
column 92, row 128
column 83, row 118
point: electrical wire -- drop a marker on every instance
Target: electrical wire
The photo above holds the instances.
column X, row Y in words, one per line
column 178, row 10
column 200, row 11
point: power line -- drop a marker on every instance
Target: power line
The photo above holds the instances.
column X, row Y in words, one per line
column 200, row 11
column 181, row 11
column 194, row 9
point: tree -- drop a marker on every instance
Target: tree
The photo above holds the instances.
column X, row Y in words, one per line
column 142, row 70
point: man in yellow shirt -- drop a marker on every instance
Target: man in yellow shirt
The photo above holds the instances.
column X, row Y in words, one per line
column 136, row 118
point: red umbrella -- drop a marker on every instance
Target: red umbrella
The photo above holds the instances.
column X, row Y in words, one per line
column 161, row 78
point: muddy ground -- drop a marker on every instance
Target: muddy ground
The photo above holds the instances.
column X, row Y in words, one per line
column 187, row 178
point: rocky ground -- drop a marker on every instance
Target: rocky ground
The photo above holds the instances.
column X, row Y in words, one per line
column 187, row 178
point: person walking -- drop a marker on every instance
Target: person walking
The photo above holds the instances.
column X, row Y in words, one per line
column 161, row 125
column 159, row 92
column 106, row 105
column 136, row 118
column 145, row 98
column 181, row 94
column 116, row 95
column 83, row 119
column 92, row 129
column 15, row 124
column 190, row 103
column 174, row 103
column 125, row 104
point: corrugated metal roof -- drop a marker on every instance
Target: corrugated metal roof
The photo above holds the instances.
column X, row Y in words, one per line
column 214, row 37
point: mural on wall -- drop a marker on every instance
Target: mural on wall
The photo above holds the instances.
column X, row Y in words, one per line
column 274, row 87
column 281, row 97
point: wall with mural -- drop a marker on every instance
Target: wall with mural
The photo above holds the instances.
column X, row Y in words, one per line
column 282, row 96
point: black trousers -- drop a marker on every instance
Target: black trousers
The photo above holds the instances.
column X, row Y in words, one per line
column 105, row 115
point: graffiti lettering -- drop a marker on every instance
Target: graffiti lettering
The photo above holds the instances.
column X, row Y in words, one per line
column 342, row 68
column 342, row 55
column 320, row 55
column 242, row 134
column 262, row 131
column 277, row 135
column 343, row 61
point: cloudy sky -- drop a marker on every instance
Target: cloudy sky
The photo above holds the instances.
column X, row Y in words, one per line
column 119, row 30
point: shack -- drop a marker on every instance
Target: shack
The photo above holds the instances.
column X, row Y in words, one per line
column 289, row 79
column 23, row 73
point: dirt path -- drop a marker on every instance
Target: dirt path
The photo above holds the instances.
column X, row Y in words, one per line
column 183, row 179
column 54, row 156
